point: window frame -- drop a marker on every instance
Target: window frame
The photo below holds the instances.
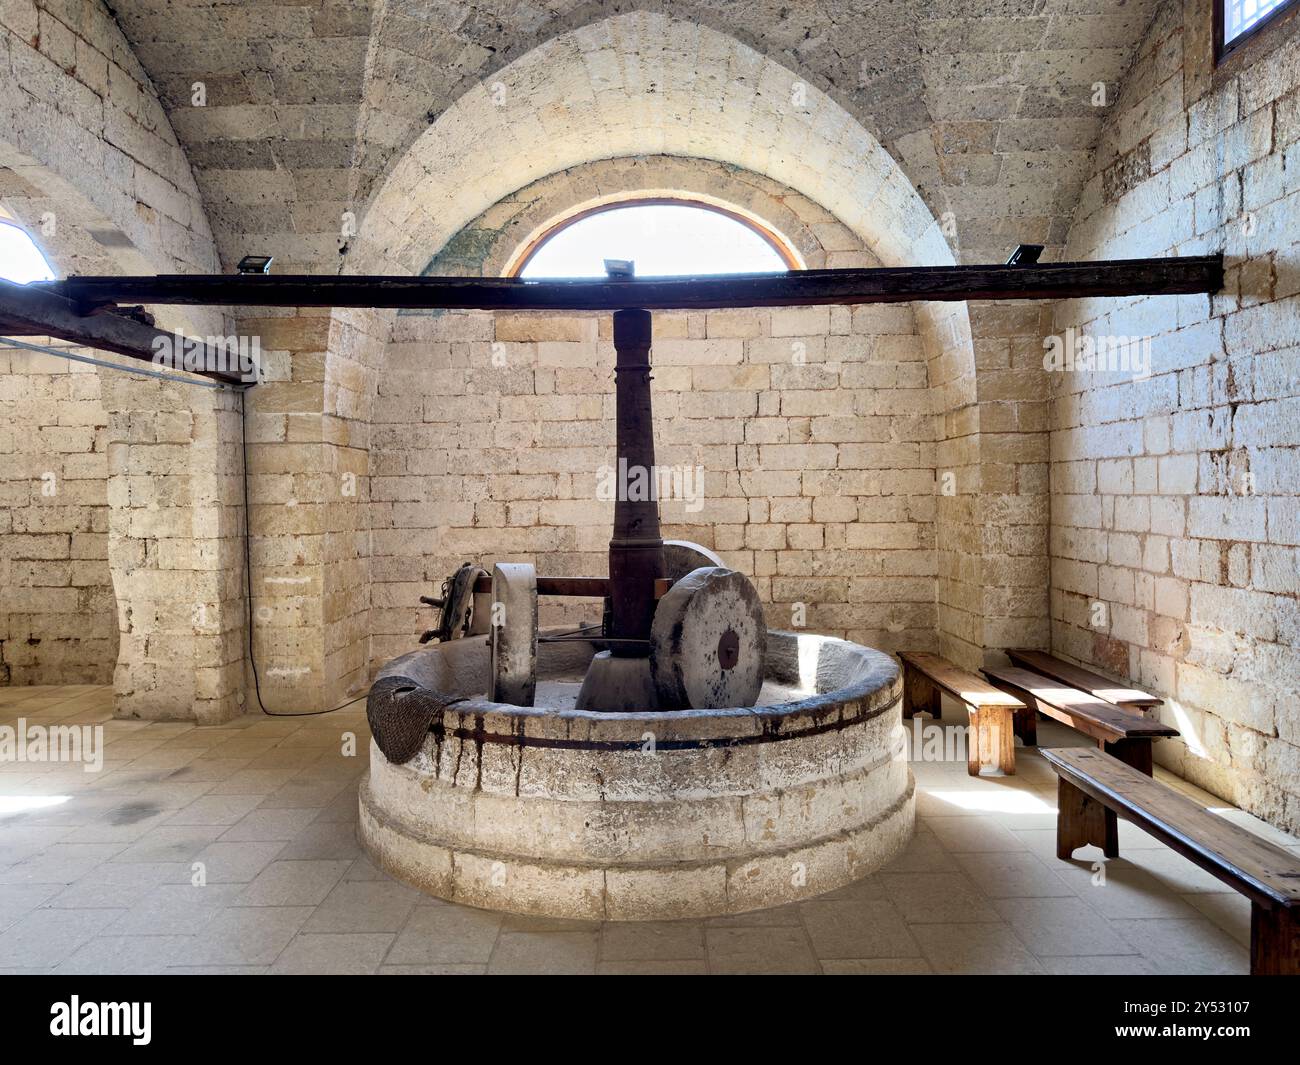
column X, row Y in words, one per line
column 776, row 242
column 1223, row 49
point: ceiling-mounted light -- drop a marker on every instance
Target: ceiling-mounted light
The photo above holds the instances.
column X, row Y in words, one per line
column 1025, row 255
column 254, row 264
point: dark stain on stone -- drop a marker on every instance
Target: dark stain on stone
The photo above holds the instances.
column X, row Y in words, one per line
column 133, row 813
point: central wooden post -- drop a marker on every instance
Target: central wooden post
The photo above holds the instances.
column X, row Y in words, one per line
column 636, row 552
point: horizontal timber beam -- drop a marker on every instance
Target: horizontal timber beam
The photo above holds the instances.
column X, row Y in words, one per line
column 35, row 310
column 1124, row 277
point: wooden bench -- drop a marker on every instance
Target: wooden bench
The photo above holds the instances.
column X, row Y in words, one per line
column 1126, row 735
column 1093, row 788
column 991, row 738
column 1085, row 680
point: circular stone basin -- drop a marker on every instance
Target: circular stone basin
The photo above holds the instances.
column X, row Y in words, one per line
column 553, row 811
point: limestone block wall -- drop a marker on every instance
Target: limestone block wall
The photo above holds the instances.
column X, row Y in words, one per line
column 58, row 619
column 81, row 124
column 1174, row 536
column 90, row 164
column 814, row 427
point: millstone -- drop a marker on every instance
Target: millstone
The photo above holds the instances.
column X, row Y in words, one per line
column 514, row 633
column 682, row 556
column 708, row 642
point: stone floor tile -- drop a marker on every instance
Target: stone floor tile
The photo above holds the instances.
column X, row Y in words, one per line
column 293, row 883
column 876, row 967
column 945, row 898
column 652, row 941
column 977, row 949
column 236, row 863
column 545, row 953
column 1195, row 947
column 364, row 906
column 262, row 825
column 245, row 935
column 331, row 953
column 660, row 967
column 173, row 909
column 43, row 938
column 1012, row 874
column 858, row 928
column 1060, row 926
column 445, row 934
column 125, row 954
column 776, row 949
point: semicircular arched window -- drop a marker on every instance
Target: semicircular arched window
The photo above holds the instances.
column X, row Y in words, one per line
column 20, row 259
column 664, row 238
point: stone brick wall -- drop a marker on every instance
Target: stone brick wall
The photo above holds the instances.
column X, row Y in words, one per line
column 58, row 617
column 814, row 427
column 1174, row 536
column 90, row 164
column 81, row 127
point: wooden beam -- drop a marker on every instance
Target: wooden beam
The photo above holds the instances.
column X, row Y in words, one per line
column 1125, row 277
column 31, row 310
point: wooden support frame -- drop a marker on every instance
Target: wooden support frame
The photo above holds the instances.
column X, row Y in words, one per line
column 33, row 310
column 1122, row 277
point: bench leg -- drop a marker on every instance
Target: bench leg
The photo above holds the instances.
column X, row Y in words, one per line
column 919, row 695
column 1274, row 941
column 1027, row 726
column 1082, row 821
column 1136, row 753
column 990, row 740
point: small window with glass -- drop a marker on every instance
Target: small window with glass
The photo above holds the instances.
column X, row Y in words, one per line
column 1236, row 21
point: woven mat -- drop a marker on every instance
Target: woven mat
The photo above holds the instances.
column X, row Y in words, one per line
column 401, row 712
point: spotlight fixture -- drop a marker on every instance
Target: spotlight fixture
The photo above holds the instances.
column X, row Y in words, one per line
column 620, row 269
column 1025, row 255
column 254, row 264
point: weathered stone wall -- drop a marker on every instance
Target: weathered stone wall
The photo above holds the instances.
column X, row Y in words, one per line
column 58, row 620
column 814, row 428
column 90, row 164
column 1174, row 498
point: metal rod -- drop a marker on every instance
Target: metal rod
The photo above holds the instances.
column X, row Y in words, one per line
column 1123, row 277
column 10, row 342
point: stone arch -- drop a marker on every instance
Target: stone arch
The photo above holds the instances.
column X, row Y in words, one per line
column 469, row 392
column 172, row 543
column 635, row 84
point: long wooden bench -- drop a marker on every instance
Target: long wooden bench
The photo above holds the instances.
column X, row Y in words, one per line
column 1084, row 679
column 1093, row 788
column 1126, row 735
column 991, row 740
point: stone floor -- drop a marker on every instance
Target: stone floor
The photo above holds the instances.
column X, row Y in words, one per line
column 96, row 875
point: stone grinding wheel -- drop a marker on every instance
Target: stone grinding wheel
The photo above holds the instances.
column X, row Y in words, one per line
column 682, row 556
column 708, row 642
column 514, row 634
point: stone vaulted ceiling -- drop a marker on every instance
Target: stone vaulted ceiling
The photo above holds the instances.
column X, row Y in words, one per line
column 986, row 104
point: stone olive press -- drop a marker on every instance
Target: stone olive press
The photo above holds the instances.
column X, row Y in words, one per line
column 678, row 759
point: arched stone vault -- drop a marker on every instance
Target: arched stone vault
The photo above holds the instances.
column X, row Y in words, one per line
column 644, row 82
column 988, row 105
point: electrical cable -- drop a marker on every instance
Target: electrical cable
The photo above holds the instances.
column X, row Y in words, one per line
column 248, row 574
column 243, row 424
